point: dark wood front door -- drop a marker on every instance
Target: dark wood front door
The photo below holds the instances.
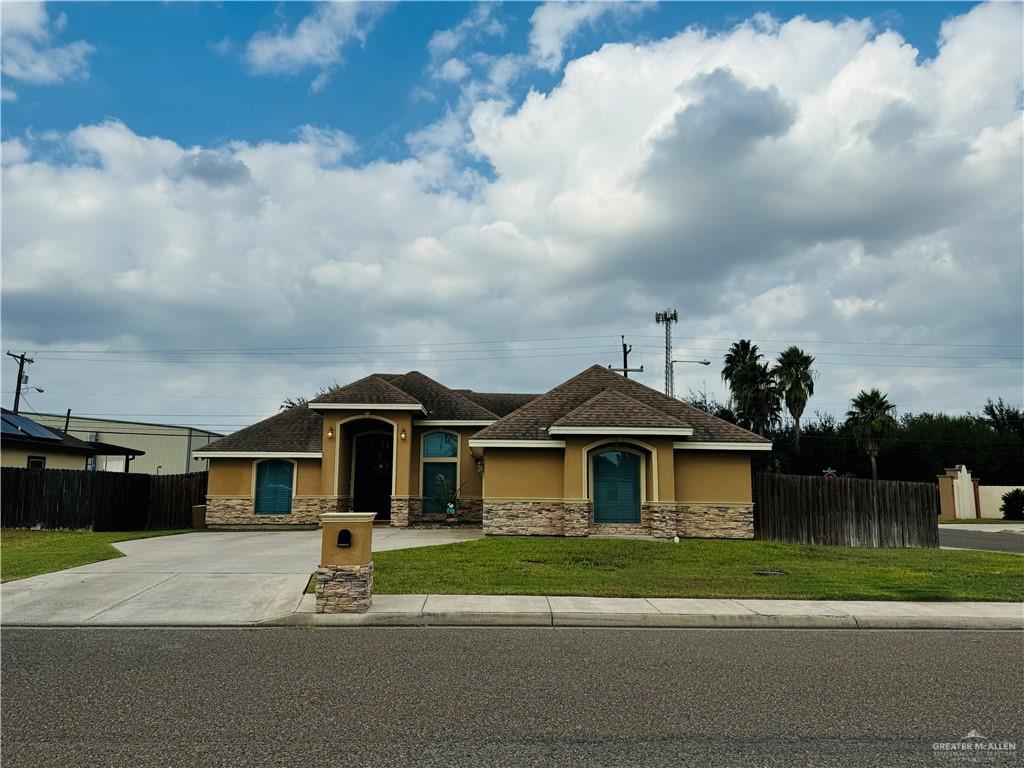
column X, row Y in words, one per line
column 372, row 475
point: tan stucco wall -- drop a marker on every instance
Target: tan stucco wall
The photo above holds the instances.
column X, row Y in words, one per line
column 523, row 473
column 712, row 476
column 16, row 457
column 234, row 477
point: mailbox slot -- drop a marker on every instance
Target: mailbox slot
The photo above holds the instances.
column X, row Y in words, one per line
column 344, row 538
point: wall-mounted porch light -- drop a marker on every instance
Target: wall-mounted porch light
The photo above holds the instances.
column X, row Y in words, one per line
column 402, row 434
column 330, row 433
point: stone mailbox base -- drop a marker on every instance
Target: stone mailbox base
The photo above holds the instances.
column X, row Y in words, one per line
column 344, row 588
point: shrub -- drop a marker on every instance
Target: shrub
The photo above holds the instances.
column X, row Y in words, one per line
column 1013, row 505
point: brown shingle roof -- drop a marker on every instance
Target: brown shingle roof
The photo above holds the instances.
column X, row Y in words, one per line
column 373, row 389
column 499, row 403
column 297, row 429
column 440, row 402
column 611, row 408
column 531, row 422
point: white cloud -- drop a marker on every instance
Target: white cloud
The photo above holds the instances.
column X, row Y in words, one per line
column 6, row 94
column 29, row 51
column 785, row 180
column 452, row 71
column 479, row 23
column 317, row 41
column 555, row 23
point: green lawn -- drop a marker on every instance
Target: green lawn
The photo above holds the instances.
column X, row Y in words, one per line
column 29, row 553
column 697, row 568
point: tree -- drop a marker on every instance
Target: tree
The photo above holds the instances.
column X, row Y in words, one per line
column 302, row 402
column 740, row 354
column 757, row 395
column 1004, row 418
column 796, row 380
column 871, row 420
column 711, row 405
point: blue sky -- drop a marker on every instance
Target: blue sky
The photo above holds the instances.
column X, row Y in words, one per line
column 158, row 68
column 493, row 193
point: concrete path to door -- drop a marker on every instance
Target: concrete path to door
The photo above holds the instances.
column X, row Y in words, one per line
column 208, row 577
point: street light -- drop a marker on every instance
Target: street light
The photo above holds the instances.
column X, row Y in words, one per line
column 698, row 362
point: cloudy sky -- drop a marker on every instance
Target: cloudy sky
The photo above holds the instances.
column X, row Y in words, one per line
column 209, row 207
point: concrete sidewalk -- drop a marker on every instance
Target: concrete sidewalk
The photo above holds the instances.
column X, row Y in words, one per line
column 522, row 610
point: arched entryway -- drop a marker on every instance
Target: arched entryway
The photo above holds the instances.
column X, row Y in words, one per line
column 372, row 456
column 616, row 486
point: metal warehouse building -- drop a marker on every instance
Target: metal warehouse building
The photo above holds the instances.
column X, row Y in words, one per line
column 168, row 447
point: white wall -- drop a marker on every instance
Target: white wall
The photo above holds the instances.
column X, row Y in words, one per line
column 991, row 498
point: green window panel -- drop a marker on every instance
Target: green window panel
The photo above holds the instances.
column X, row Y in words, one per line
column 441, row 445
column 617, row 487
column 274, row 488
column 439, row 478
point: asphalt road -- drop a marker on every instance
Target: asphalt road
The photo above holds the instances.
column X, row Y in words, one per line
column 993, row 542
column 502, row 697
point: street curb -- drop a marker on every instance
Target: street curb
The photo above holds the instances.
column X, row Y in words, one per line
column 640, row 620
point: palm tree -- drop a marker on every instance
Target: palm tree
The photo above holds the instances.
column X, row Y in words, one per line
column 871, row 420
column 740, row 354
column 756, row 391
column 796, row 380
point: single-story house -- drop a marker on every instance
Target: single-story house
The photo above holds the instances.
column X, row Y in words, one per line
column 599, row 453
column 28, row 444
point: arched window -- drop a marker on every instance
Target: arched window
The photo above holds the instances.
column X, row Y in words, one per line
column 440, row 471
column 274, row 487
column 616, row 487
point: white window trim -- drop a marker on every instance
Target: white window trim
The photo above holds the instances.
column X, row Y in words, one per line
column 710, row 446
column 484, row 443
column 257, row 454
column 446, row 459
column 667, row 431
column 627, row 443
column 369, row 406
column 453, row 423
column 337, row 450
column 252, row 483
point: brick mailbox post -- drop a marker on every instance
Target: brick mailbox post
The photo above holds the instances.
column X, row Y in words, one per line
column 344, row 579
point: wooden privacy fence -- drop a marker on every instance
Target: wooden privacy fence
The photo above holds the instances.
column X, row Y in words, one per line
column 103, row 501
column 845, row 512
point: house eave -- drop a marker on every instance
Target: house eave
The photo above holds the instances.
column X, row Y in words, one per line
column 696, row 445
column 485, row 443
column 367, row 407
column 257, row 454
column 452, row 422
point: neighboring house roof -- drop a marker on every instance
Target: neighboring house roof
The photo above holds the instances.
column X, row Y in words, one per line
column 612, row 408
column 439, row 401
column 294, row 430
column 23, row 431
column 532, row 421
column 374, row 389
column 498, row 403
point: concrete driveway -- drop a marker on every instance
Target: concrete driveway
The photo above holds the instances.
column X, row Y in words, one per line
column 208, row 577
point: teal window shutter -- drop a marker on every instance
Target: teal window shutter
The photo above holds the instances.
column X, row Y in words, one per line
column 274, row 487
column 617, row 488
column 439, row 478
column 440, row 445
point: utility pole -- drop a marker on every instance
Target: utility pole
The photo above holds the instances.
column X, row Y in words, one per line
column 22, row 360
column 668, row 317
column 625, row 369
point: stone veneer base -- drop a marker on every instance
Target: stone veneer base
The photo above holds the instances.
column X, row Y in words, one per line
column 407, row 511
column 344, row 588
column 523, row 517
column 240, row 510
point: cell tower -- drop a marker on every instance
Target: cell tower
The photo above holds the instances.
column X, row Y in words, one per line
column 668, row 317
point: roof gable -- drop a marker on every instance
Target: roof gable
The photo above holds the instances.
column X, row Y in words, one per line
column 439, row 401
column 611, row 408
column 532, row 421
column 369, row 390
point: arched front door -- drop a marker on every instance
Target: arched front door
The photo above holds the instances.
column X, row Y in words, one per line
column 616, row 487
column 371, row 490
